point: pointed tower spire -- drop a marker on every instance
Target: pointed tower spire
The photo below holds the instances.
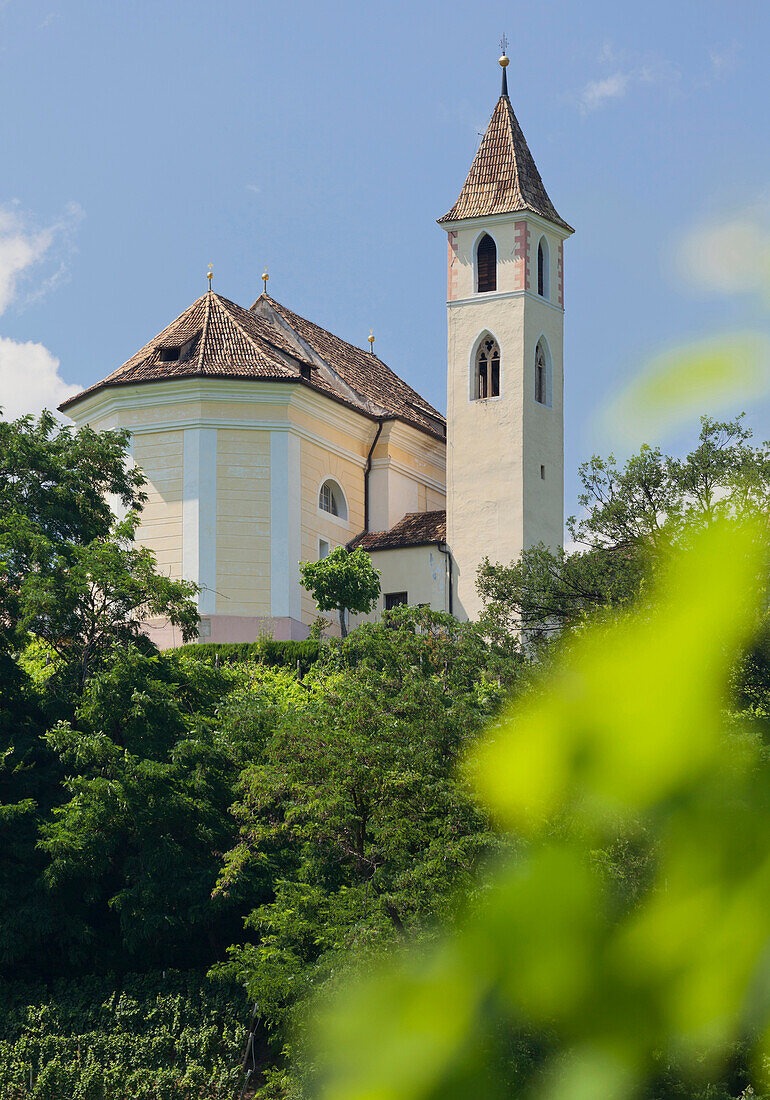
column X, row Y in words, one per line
column 503, row 178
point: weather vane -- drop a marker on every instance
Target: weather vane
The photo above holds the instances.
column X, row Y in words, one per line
column 210, row 275
column 504, row 43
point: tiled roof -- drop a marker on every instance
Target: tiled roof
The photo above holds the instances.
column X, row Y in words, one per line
column 503, row 178
column 268, row 342
column 415, row 529
column 361, row 370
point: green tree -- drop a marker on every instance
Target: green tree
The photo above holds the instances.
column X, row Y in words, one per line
column 342, row 581
column 54, row 488
column 355, row 804
column 631, row 517
column 99, row 598
column 134, row 849
column 551, row 986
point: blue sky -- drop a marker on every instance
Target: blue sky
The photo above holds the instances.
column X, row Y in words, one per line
column 141, row 141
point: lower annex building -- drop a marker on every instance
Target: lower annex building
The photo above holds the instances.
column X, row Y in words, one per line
column 266, row 440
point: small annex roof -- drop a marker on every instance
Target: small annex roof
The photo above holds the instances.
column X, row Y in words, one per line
column 503, row 178
column 415, row 529
column 216, row 338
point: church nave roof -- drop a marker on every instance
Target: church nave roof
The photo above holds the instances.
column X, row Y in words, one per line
column 216, row 338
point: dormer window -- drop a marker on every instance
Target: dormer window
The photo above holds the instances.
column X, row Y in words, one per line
column 486, row 265
column 177, row 353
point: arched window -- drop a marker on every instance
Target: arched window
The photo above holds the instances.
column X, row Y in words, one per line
column 486, row 265
column 543, row 269
column 542, row 373
column 331, row 499
column 487, row 372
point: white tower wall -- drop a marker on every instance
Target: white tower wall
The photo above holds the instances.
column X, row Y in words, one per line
column 505, row 460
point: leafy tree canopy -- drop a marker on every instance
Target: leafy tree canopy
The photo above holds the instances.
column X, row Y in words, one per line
column 342, row 581
column 355, row 805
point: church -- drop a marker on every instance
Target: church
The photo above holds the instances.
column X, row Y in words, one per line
column 266, row 440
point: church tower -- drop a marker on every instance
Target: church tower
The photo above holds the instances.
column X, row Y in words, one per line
column 505, row 314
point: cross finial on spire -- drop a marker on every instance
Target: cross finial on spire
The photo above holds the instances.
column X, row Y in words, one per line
column 504, row 64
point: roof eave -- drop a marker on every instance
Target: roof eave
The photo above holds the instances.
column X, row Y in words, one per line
column 563, row 228
column 208, row 376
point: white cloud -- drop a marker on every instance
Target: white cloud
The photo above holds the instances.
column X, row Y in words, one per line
column 19, row 250
column 629, row 70
column 724, row 59
column 597, row 92
column 29, row 372
column 728, row 255
column 30, row 379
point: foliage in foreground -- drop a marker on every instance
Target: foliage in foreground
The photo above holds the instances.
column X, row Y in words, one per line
column 630, row 735
column 172, row 1037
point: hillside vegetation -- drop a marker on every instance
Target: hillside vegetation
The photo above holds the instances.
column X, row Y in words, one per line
column 186, row 833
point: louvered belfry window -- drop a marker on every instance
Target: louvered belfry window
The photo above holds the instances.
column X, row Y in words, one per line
column 486, row 264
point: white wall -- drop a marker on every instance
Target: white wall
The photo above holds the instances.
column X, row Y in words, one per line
column 497, row 501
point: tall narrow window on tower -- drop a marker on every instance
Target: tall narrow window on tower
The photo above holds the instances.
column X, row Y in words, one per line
column 487, row 373
column 486, row 265
column 543, row 272
column 542, row 374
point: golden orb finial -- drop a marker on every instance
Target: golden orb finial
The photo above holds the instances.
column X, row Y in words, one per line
column 504, row 61
column 370, row 338
column 210, row 274
column 265, row 277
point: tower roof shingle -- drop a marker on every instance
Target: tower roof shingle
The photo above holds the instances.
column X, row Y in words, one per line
column 503, row 178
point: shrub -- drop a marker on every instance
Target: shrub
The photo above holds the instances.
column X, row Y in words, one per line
column 267, row 650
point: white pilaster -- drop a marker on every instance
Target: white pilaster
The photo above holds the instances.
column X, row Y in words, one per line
column 285, row 524
column 199, row 514
column 117, row 507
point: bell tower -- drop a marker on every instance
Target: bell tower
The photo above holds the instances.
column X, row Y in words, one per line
column 505, row 320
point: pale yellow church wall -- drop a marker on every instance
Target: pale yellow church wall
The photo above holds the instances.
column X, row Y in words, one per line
column 160, row 456
column 420, row 571
column 408, row 475
column 350, row 433
column 317, row 464
column 243, row 522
